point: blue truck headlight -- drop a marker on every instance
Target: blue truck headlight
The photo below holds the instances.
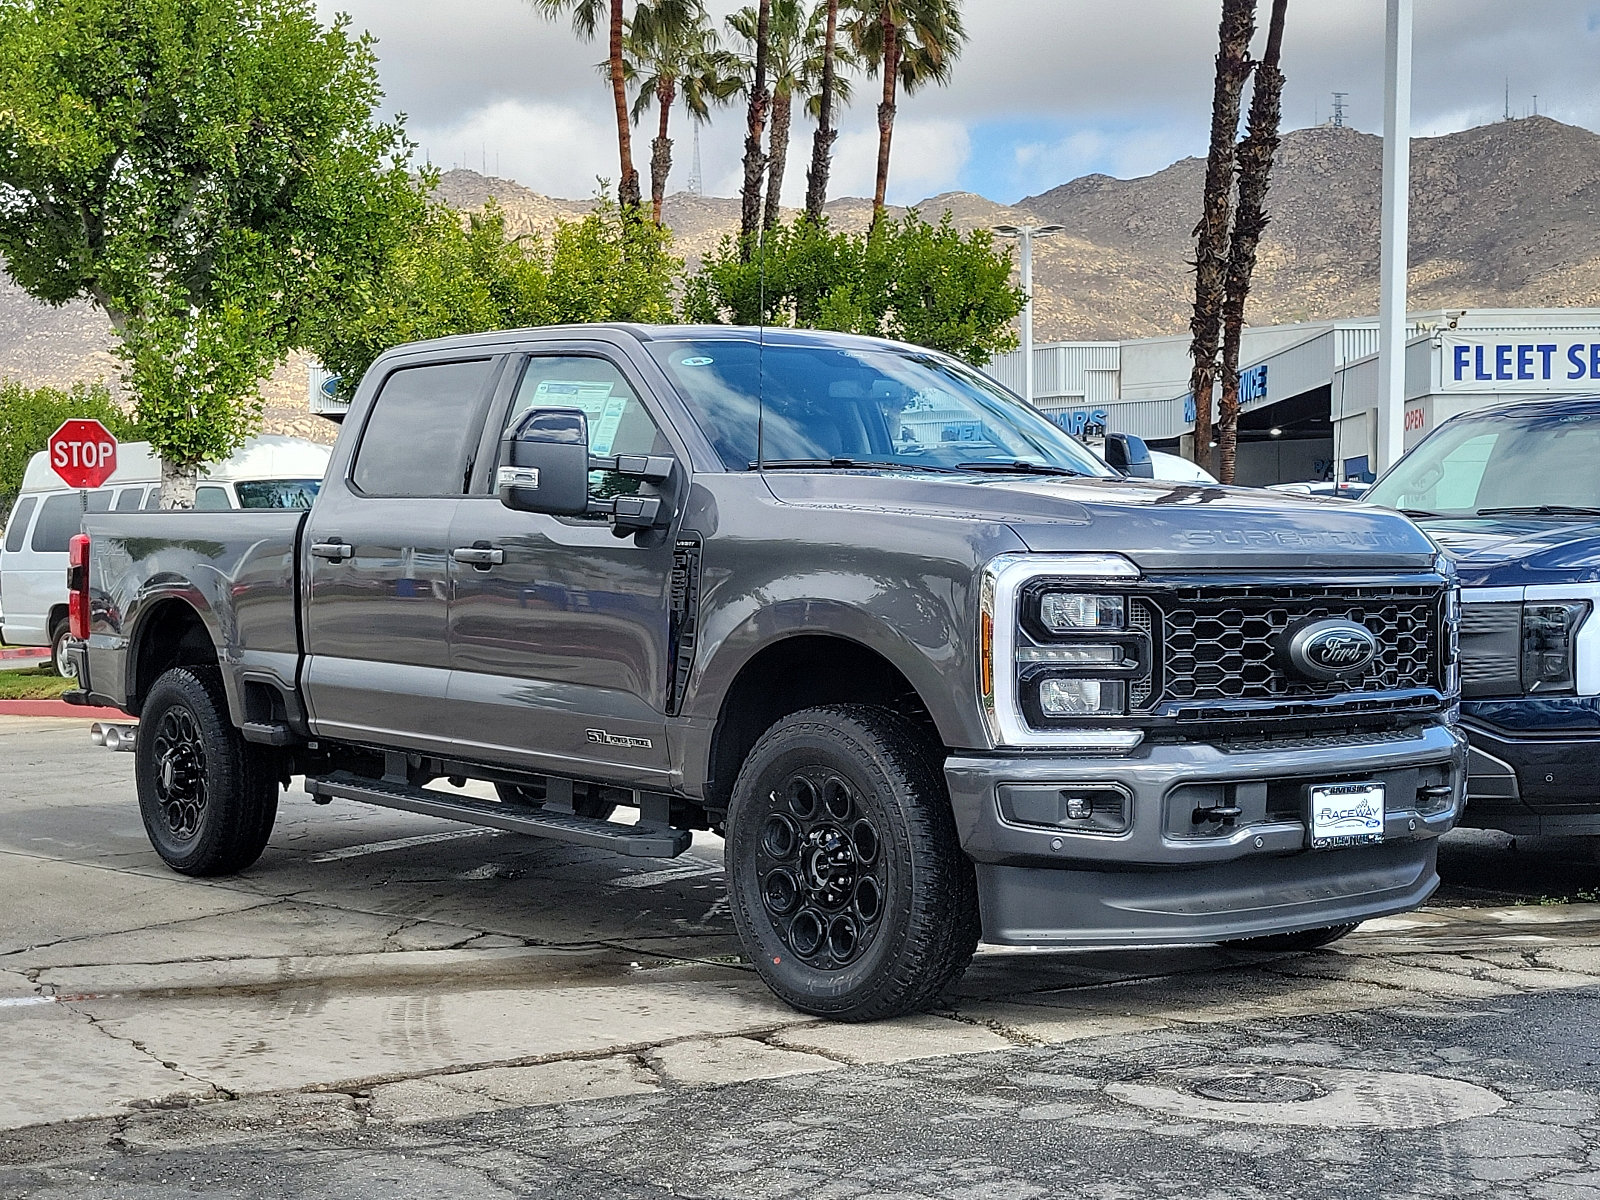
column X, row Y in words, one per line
column 1549, row 639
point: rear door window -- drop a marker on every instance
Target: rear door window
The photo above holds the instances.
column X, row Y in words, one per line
column 422, row 430
column 61, row 516
column 17, row 531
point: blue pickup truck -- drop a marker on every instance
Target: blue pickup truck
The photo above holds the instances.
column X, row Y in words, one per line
column 1512, row 494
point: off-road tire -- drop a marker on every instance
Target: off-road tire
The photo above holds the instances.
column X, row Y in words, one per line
column 1306, row 939
column 880, row 770
column 60, row 634
column 185, row 721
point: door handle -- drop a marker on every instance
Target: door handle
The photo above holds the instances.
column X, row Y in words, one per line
column 479, row 556
column 332, row 551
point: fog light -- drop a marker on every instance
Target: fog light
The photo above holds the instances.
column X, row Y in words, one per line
column 1079, row 697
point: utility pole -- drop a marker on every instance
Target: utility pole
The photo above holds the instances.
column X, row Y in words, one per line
column 1396, row 220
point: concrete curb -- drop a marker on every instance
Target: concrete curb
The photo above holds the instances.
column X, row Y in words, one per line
column 59, row 708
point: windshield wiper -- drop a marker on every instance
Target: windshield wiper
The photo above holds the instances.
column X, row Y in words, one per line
column 1419, row 512
column 846, row 464
column 1541, row 510
column 1018, row 467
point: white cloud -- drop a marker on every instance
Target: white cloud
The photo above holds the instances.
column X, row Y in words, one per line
column 554, row 149
column 926, row 158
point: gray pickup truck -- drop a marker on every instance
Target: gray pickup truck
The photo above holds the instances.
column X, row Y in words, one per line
column 933, row 670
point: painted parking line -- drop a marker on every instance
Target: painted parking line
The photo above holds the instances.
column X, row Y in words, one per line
column 688, row 870
column 421, row 839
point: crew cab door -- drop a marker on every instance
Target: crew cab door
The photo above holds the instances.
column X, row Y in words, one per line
column 377, row 556
column 559, row 629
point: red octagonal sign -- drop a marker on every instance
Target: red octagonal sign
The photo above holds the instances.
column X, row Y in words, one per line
column 83, row 453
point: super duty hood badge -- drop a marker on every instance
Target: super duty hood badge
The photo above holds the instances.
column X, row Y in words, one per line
column 1331, row 649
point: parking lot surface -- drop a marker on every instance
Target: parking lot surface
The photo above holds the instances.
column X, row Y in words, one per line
column 392, row 1005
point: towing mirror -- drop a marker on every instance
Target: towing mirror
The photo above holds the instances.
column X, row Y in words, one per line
column 547, row 463
column 1129, row 455
column 547, row 471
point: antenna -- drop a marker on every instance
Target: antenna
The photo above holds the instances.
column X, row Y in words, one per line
column 696, row 180
column 1338, row 108
column 1508, row 97
column 1536, row 104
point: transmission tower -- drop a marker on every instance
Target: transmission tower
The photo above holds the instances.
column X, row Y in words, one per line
column 1338, row 108
column 696, row 181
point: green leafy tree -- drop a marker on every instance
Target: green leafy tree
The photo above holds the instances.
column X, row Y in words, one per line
column 28, row 416
column 908, row 44
column 927, row 284
column 672, row 51
column 468, row 277
column 210, row 174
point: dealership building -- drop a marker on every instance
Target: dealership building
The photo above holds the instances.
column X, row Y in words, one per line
column 1309, row 392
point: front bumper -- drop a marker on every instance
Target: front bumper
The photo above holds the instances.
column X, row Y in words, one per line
column 1155, row 872
column 1529, row 783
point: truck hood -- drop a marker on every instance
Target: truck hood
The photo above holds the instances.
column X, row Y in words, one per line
column 1160, row 526
column 1519, row 551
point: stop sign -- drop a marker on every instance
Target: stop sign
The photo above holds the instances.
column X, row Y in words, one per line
column 83, row 453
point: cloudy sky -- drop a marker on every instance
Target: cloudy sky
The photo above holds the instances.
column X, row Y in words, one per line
column 1046, row 90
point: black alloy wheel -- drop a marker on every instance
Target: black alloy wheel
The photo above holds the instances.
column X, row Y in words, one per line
column 847, row 882
column 208, row 797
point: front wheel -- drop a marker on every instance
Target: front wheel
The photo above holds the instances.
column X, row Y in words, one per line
column 849, row 888
column 1306, row 939
column 208, row 797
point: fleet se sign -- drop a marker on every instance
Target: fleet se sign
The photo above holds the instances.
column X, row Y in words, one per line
column 1520, row 362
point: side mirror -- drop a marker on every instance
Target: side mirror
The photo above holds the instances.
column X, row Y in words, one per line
column 547, row 463
column 547, row 471
column 1129, row 455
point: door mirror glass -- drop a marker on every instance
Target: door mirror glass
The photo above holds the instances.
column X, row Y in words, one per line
column 1129, row 455
column 545, row 458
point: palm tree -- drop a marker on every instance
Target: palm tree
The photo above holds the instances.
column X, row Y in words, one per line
column 1211, row 234
column 822, row 140
column 1249, row 220
column 672, row 50
column 794, row 68
column 586, row 15
column 755, row 162
column 908, row 44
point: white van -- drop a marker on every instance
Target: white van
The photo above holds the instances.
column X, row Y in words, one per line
column 267, row 472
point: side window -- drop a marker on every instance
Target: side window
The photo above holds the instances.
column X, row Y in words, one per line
column 211, row 498
column 153, row 500
column 59, row 518
column 17, row 531
column 128, row 499
column 619, row 423
column 422, row 428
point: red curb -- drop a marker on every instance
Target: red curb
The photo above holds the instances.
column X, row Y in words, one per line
column 10, row 652
column 59, row 708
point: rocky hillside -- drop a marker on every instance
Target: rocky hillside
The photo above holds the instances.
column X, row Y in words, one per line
column 1502, row 216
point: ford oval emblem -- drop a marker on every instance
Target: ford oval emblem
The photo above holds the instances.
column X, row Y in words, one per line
column 1332, row 649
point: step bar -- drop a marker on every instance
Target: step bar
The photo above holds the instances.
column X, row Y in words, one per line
column 637, row 841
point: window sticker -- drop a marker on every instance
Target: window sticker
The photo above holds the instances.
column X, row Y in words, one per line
column 594, row 400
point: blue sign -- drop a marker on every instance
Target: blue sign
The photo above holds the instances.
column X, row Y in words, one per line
column 1252, row 387
column 1081, row 421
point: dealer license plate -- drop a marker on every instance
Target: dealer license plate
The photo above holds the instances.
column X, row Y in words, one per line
column 1346, row 814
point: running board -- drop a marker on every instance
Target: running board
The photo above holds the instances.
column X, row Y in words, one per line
column 636, row 841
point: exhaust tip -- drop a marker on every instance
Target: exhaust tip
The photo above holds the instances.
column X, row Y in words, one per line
column 97, row 734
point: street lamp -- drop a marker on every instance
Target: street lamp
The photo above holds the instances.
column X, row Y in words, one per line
column 1025, row 235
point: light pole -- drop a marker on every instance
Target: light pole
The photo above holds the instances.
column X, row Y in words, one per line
column 1025, row 235
column 1396, row 219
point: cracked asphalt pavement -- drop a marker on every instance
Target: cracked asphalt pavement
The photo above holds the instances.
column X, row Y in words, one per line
column 388, row 1005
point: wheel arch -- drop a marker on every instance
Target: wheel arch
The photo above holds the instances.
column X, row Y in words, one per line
column 170, row 631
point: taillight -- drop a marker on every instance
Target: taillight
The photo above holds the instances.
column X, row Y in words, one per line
column 78, row 586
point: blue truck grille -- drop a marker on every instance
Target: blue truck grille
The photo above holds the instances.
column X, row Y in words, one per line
column 1225, row 644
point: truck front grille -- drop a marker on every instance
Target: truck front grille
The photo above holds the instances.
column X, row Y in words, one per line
column 1218, row 645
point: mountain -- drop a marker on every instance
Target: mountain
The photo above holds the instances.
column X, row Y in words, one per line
column 1501, row 216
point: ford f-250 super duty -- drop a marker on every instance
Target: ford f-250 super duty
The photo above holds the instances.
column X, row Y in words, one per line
column 934, row 670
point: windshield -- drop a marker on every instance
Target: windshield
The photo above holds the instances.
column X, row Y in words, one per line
column 277, row 493
column 1477, row 466
column 842, row 406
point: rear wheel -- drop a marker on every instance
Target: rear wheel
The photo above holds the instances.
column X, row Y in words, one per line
column 849, row 888
column 1306, row 939
column 208, row 797
column 60, row 635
